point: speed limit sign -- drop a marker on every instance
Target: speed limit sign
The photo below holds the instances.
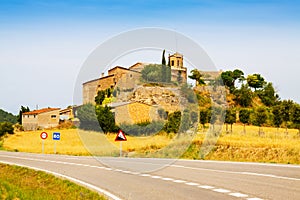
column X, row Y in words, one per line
column 44, row 135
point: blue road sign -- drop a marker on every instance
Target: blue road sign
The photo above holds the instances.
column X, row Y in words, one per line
column 56, row 136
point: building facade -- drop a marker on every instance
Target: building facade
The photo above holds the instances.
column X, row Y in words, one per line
column 40, row 119
column 127, row 78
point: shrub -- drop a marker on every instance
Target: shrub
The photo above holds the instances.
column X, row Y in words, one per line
column 6, row 127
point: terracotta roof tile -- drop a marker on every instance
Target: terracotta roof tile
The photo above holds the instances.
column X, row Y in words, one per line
column 36, row 112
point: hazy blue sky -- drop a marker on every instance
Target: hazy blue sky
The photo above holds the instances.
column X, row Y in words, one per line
column 43, row 43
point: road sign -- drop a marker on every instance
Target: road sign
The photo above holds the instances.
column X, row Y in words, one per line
column 56, row 136
column 121, row 136
column 44, row 135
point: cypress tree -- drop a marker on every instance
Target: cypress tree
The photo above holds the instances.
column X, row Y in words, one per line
column 163, row 68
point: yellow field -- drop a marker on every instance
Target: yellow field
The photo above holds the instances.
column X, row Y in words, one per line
column 274, row 146
column 79, row 142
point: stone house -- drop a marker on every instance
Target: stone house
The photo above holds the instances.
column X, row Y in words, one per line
column 118, row 75
column 40, row 119
column 66, row 114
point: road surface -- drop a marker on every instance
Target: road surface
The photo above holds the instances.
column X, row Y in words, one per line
column 122, row 178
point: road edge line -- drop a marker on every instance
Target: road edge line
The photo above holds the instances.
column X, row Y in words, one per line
column 88, row 185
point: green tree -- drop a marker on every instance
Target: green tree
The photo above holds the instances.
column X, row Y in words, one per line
column 230, row 118
column 229, row 78
column 277, row 116
column 243, row 96
column 88, row 118
column 6, row 127
column 260, row 118
column 100, row 97
column 23, row 109
column 163, row 68
column 204, row 116
column 244, row 116
column 286, row 112
column 194, row 117
column 296, row 117
column 255, row 81
column 106, row 119
column 173, row 123
column 185, row 121
column 268, row 95
column 152, row 73
column 196, row 75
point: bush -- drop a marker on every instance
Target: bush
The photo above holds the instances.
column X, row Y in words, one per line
column 143, row 128
column 6, row 127
column 173, row 123
column 88, row 119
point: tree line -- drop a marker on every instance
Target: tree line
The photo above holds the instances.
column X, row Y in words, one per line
column 255, row 101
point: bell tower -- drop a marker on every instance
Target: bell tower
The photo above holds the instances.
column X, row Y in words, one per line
column 176, row 61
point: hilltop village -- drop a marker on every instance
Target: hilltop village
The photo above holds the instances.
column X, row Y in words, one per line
column 129, row 76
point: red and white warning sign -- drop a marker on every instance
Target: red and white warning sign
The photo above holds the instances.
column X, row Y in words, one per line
column 121, row 136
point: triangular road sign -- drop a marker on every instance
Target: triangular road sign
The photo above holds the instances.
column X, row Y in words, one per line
column 121, row 136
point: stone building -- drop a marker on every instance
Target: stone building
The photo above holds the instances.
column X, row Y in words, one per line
column 128, row 78
column 177, row 68
column 117, row 75
column 40, row 119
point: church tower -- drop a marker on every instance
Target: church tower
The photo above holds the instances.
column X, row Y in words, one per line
column 178, row 71
column 176, row 61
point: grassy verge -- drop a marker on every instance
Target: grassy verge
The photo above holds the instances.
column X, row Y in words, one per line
column 22, row 183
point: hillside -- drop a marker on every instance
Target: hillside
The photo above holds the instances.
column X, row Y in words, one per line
column 7, row 117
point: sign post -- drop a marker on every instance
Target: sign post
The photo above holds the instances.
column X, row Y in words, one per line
column 55, row 137
column 44, row 136
column 120, row 138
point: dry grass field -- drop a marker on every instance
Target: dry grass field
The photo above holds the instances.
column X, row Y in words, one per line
column 274, row 145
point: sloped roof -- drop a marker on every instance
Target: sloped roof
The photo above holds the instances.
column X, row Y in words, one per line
column 176, row 55
column 36, row 112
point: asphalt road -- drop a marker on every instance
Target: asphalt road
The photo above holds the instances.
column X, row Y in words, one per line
column 130, row 178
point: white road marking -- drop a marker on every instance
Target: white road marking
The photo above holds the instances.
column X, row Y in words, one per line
column 192, row 184
column 206, row 187
column 236, row 194
column 93, row 187
column 179, row 181
column 221, row 190
column 167, row 179
column 155, row 177
column 145, row 175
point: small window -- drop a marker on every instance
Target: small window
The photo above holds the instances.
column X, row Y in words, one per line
column 34, row 116
column 177, row 63
column 53, row 116
column 172, row 63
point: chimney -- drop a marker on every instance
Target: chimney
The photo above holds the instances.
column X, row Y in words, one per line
column 102, row 75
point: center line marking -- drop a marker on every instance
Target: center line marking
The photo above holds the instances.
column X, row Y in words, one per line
column 238, row 194
column 221, row 190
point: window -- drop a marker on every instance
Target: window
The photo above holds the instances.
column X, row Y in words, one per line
column 177, row 63
column 172, row 63
column 53, row 116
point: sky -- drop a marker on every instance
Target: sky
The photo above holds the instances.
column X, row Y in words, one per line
column 44, row 43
